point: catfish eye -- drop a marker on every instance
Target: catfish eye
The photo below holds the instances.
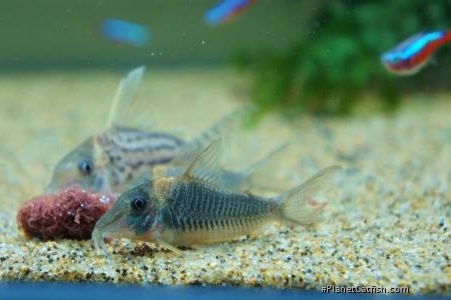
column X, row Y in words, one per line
column 85, row 167
column 138, row 203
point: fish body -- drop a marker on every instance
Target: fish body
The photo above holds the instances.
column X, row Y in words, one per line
column 126, row 32
column 225, row 10
column 110, row 160
column 194, row 209
column 196, row 212
column 411, row 55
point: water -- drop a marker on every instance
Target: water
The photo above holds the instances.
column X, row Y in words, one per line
column 319, row 72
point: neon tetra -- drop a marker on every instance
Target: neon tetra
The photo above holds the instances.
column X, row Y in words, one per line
column 411, row 55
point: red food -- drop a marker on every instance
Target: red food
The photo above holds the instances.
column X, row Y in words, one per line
column 71, row 213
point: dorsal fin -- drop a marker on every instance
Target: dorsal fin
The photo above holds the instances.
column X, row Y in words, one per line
column 122, row 106
column 224, row 127
column 265, row 159
column 205, row 165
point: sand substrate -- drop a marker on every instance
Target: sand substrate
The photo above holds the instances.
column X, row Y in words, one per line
column 388, row 220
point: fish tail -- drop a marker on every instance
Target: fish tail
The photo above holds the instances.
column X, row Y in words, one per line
column 298, row 206
column 447, row 37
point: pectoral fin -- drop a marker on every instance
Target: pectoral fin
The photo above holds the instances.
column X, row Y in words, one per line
column 168, row 246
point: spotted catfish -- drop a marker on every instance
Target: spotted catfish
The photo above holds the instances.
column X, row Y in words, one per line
column 194, row 209
column 110, row 160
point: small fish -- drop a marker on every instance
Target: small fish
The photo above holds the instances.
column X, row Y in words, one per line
column 225, row 10
column 109, row 161
column 125, row 32
column 411, row 55
column 194, row 209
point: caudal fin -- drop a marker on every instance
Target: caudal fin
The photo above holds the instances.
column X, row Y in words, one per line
column 298, row 206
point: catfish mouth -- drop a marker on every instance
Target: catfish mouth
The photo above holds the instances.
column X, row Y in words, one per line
column 111, row 223
column 114, row 226
column 116, row 229
column 109, row 226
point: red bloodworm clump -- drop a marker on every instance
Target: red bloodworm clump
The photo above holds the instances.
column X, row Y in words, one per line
column 70, row 213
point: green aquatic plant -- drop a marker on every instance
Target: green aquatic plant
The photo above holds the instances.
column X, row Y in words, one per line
column 338, row 64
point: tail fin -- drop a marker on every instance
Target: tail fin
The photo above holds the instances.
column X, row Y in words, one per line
column 298, row 206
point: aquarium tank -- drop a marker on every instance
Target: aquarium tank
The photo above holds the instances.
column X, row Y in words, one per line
column 225, row 148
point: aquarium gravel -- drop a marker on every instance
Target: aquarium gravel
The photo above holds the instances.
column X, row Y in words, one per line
column 387, row 223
